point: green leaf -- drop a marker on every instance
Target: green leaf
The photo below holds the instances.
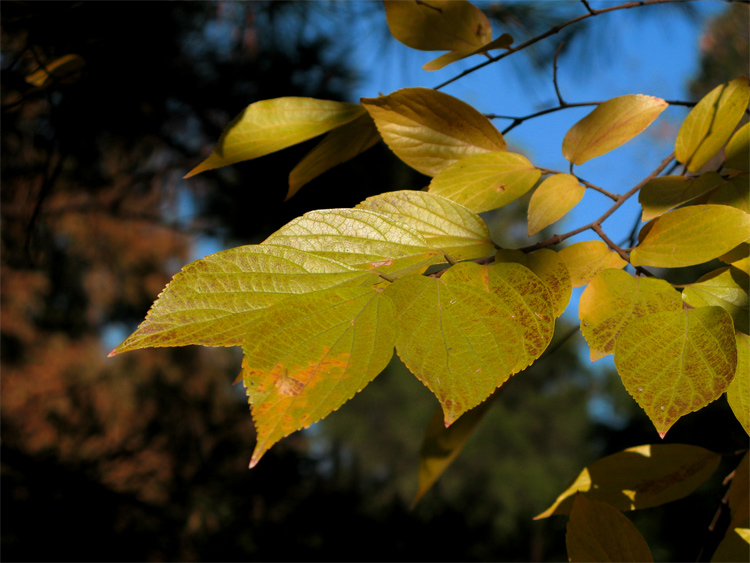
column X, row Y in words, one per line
column 640, row 477
column 549, row 267
column 613, row 299
column 442, row 445
column 737, row 151
column 271, row 125
column 727, row 288
column 359, row 238
column 597, row 531
column 738, row 393
column 692, row 235
column 502, row 42
column 430, row 130
column 341, row 144
column 675, row 363
column 739, row 257
column 554, row 197
column 212, row 300
column 667, row 192
column 586, row 259
column 457, row 339
column 486, row 181
column 308, row 355
column 710, row 123
column 443, row 223
column 733, row 193
column 610, row 125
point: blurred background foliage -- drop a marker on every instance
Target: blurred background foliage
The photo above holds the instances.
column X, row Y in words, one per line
column 144, row 456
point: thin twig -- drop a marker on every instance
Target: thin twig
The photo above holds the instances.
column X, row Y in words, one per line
column 601, row 190
column 554, row 74
column 585, row 3
column 602, row 235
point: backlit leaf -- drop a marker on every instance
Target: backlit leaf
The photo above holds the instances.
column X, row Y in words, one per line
column 692, row 235
column 271, row 125
column 63, row 69
column 308, row 355
column 586, row 259
column 711, row 122
column 443, row 223
column 738, row 393
column 726, row 288
column 212, row 300
column 430, row 130
column 667, row 192
column 597, row 531
column 359, row 238
column 675, row 363
column 615, row 298
column 554, row 197
column 610, row 125
column 459, row 340
column 640, row 477
column 735, row 192
column 341, row 144
column 442, row 445
column 486, row 181
column 502, row 42
column 737, row 152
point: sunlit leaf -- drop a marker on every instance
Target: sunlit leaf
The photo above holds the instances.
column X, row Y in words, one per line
column 502, row 42
column 586, row 259
column 739, row 257
column 459, row 340
column 442, row 445
column 640, row 477
column 597, row 531
column 737, row 152
column 667, row 192
column 308, row 355
column 63, row 69
column 735, row 546
column 610, row 125
column 359, row 238
column 430, row 130
column 445, row 224
column 554, row 197
column 738, row 393
column 615, row 298
column 735, row 192
column 550, row 268
column 486, row 181
column 212, row 300
column 271, row 125
column 341, row 144
column 692, row 235
column 675, row 363
column 726, row 288
column 711, row 122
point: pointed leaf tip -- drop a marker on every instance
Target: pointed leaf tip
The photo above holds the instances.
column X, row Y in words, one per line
column 112, row 354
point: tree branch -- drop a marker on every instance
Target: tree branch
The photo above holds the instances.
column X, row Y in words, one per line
column 609, row 194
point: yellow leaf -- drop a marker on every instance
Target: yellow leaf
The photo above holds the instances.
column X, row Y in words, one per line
column 735, row 546
column 430, row 130
column 63, row 69
column 727, row 288
column 667, row 192
column 586, row 259
column 738, row 393
column 554, row 197
column 734, row 192
column 502, row 42
column 610, row 125
column 737, row 152
column 710, row 123
column 739, row 257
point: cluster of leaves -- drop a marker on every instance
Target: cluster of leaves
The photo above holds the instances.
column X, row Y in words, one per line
column 320, row 305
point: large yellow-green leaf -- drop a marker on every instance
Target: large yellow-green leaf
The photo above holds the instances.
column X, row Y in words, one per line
column 459, row 340
column 359, row 238
column 442, row 445
column 271, row 125
column 554, row 197
column 667, row 192
column 640, row 477
column 737, row 152
column 445, row 224
column 610, row 125
column 675, row 363
column 711, row 122
column 523, row 296
column 738, row 393
column 597, row 531
column 615, row 298
column 692, row 235
column 212, row 300
column 430, row 130
column 726, row 288
column 739, row 257
column 735, row 192
column 308, row 355
column 550, row 268
column 341, row 144
column 502, row 42
column 486, row 181
column 586, row 259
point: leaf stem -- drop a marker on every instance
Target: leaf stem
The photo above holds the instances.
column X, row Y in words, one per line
column 609, row 194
